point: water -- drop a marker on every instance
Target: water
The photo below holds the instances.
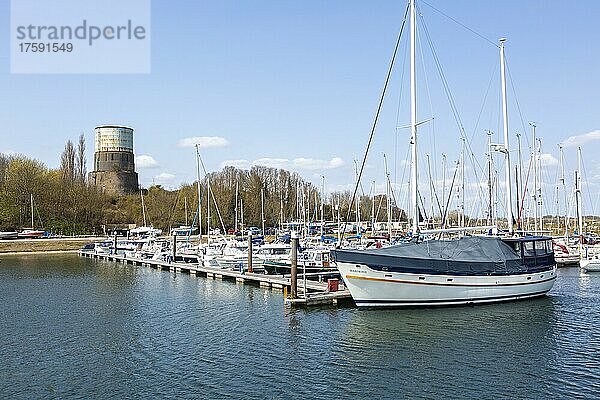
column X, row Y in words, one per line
column 78, row 328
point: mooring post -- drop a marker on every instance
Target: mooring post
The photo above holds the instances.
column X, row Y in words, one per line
column 115, row 242
column 250, row 252
column 293, row 280
column 174, row 248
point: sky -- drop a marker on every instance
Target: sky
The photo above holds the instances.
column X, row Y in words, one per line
column 295, row 84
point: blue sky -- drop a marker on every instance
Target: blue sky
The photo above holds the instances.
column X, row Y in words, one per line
column 296, row 84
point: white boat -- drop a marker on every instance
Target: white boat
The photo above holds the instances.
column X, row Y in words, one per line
column 469, row 270
column 30, row 234
column 589, row 259
column 435, row 272
column 8, row 235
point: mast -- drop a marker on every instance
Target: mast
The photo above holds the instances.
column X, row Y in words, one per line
column 535, row 183
column 462, row 184
column 509, row 212
column 520, row 191
column 185, row 210
column 539, row 194
column 143, row 208
column 444, row 161
column 31, row 202
column 562, row 182
column 357, row 200
column 199, row 194
column 430, row 188
column 578, row 201
column 413, row 120
column 262, row 209
column 322, row 206
column 236, row 205
column 579, row 169
column 207, row 207
column 489, row 182
column 373, row 209
column 388, row 203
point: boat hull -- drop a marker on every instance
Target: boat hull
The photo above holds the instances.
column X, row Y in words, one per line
column 590, row 265
column 371, row 288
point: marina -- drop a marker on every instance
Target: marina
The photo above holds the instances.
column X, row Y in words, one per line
column 300, row 200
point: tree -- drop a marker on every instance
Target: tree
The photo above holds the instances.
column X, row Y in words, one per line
column 67, row 163
column 81, row 171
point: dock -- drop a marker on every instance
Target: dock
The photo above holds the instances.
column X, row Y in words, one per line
column 316, row 292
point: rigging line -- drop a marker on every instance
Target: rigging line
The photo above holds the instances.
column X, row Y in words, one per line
column 445, row 84
column 403, row 69
column 212, row 196
column 587, row 183
column 451, row 100
column 484, row 100
column 448, row 93
column 432, row 125
column 387, row 80
column 461, row 24
column 512, row 85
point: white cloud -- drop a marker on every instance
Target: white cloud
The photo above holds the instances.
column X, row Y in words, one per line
column 145, row 161
column 164, row 178
column 273, row 162
column 241, row 164
column 578, row 140
column 203, row 141
column 548, row 160
column 312, row 164
column 301, row 163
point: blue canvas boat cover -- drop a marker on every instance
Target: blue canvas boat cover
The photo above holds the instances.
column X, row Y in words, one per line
column 469, row 255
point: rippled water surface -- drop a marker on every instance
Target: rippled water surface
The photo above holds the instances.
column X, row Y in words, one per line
column 78, row 328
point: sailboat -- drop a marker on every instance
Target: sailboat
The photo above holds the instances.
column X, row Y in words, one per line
column 468, row 270
column 589, row 261
column 31, row 233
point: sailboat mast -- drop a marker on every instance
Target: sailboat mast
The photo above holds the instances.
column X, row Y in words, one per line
column 262, row 209
column 236, row 206
column 462, row 184
column 199, row 194
column 539, row 180
column 207, row 207
column 535, row 181
column 578, row 202
column 322, row 206
column 185, row 210
column 509, row 211
column 562, row 181
column 489, row 182
column 373, row 209
column 31, row 198
column 413, row 119
column 520, row 191
column 143, row 208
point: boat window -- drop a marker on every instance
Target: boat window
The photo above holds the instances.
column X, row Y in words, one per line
column 549, row 246
column 540, row 248
column 528, row 249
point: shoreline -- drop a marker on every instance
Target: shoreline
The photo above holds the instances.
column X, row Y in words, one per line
column 51, row 252
column 40, row 246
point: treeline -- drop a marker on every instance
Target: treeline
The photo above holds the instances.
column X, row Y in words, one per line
column 64, row 202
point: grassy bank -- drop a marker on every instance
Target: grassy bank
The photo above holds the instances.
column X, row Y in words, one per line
column 43, row 245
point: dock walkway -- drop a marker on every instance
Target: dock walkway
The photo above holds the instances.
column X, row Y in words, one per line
column 317, row 293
